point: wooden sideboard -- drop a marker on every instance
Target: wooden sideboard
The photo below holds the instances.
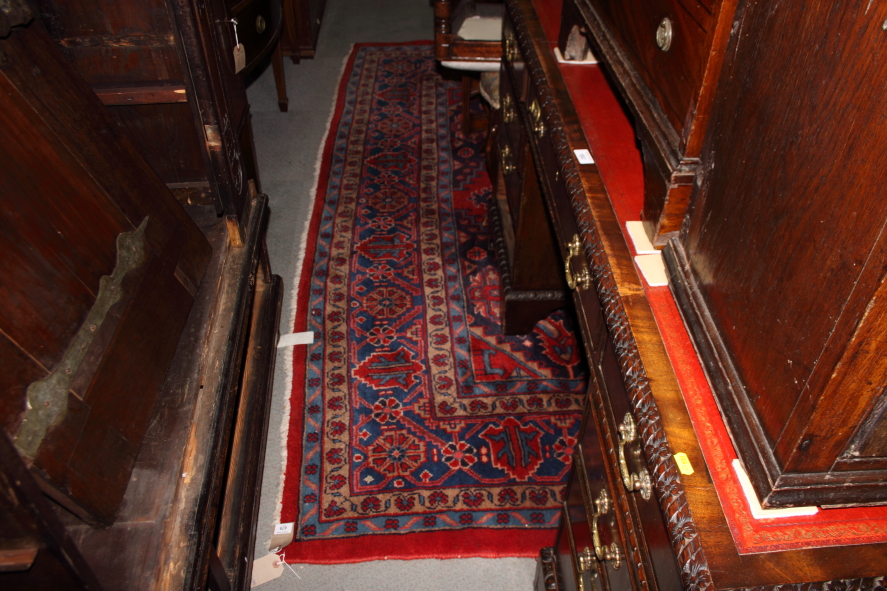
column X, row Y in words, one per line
column 632, row 517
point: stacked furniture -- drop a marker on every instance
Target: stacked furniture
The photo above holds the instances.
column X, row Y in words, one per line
column 763, row 241
column 138, row 329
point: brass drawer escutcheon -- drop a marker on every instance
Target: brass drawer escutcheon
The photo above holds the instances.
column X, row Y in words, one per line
column 505, row 157
column 508, row 113
column 583, row 279
column 633, row 481
column 536, row 116
column 604, row 553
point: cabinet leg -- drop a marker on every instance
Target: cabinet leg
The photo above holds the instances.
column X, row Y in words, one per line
column 279, row 78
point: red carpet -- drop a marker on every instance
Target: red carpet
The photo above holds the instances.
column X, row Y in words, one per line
column 416, row 429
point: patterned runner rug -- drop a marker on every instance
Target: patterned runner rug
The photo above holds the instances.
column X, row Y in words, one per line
column 416, row 429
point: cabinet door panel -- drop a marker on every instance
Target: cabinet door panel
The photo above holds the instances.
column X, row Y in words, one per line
column 104, row 270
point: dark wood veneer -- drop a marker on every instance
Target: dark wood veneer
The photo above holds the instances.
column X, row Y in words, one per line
column 783, row 253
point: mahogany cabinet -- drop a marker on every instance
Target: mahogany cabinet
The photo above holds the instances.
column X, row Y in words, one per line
column 665, row 57
column 780, row 267
column 632, row 518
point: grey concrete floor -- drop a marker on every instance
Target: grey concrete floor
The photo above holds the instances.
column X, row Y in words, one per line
column 287, row 145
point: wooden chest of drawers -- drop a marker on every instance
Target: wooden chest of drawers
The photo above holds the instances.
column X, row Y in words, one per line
column 632, row 519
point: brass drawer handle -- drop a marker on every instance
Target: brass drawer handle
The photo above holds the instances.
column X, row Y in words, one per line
column 604, row 553
column 536, row 114
column 260, row 24
column 583, row 279
column 637, row 481
column 505, row 157
column 587, row 563
column 664, row 33
column 507, row 109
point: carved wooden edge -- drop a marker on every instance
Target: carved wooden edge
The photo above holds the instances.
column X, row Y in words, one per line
column 501, row 251
column 682, row 531
column 864, row 584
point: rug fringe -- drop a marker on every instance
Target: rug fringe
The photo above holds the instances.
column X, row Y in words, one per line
column 297, row 275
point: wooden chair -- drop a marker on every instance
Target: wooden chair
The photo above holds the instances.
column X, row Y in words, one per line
column 468, row 38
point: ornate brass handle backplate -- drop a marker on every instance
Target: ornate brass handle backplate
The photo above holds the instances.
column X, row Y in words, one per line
column 511, row 51
column 633, row 481
column 604, row 553
column 507, row 164
column 583, row 279
column 507, row 109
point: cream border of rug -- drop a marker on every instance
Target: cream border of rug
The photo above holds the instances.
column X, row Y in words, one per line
column 297, row 276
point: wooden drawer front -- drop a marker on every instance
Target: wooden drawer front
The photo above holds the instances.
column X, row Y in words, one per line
column 539, row 135
column 513, row 60
column 565, row 553
column 511, row 158
column 650, row 544
column 675, row 76
column 595, row 508
column 588, row 308
column 575, row 539
column 510, row 110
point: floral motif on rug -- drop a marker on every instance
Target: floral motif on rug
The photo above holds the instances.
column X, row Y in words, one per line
column 419, row 416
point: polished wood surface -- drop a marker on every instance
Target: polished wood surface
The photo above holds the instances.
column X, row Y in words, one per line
column 698, row 537
column 448, row 46
column 784, row 254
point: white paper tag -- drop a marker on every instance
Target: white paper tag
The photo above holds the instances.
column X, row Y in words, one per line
column 266, row 568
column 296, row 338
column 282, row 536
column 642, row 244
column 239, row 57
column 583, row 156
column 653, row 269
